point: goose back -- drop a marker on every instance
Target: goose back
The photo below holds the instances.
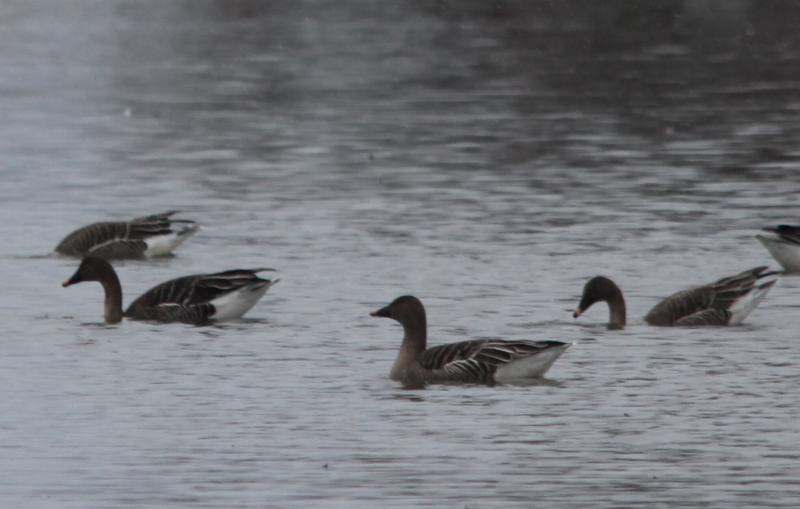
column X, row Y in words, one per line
column 478, row 361
column 728, row 299
column 142, row 237
column 680, row 304
column 197, row 298
column 475, row 361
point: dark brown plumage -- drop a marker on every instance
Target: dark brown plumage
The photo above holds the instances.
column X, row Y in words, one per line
column 725, row 302
column 196, row 299
column 139, row 238
column 476, row 361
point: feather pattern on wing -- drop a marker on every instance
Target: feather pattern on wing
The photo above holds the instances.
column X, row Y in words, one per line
column 124, row 239
column 189, row 298
column 689, row 307
column 706, row 317
column 477, row 360
column 197, row 314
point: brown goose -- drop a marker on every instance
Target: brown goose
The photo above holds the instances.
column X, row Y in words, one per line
column 197, row 299
column 477, row 361
column 139, row 238
column 783, row 243
column 725, row 302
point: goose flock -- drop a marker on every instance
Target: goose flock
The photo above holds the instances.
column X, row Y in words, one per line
column 202, row 299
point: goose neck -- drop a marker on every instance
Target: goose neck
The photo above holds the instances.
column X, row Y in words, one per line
column 113, row 298
column 616, row 311
column 414, row 343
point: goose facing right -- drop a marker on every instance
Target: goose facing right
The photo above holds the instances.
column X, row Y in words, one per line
column 783, row 243
column 140, row 238
column 484, row 361
column 197, row 299
column 727, row 301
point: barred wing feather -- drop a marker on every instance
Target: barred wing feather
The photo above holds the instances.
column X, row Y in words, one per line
column 477, row 360
column 168, row 312
column 119, row 249
column 704, row 305
column 194, row 291
column 128, row 239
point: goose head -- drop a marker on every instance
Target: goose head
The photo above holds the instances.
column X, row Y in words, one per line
column 406, row 309
column 97, row 269
column 90, row 269
column 602, row 289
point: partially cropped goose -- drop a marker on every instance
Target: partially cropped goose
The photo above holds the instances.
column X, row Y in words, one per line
column 141, row 237
column 477, row 361
column 783, row 243
column 725, row 302
column 198, row 299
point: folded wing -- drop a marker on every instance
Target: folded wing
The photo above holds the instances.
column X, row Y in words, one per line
column 723, row 302
column 142, row 237
column 477, row 361
column 203, row 297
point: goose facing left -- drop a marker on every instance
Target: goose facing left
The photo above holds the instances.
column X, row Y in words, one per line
column 483, row 361
column 140, row 238
column 727, row 301
column 197, row 299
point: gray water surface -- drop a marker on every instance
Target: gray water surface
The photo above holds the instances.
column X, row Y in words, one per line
column 486, row 159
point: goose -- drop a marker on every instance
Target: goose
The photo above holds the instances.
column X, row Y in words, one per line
column 197, row 299
column 478, row 361
column 140, row 238
column 724, row 302
column 783, row 243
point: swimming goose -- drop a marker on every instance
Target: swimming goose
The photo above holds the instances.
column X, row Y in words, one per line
column 139, row 238
column 783, row 243
column 725, row 302
column 197, row 299
column 476, row 361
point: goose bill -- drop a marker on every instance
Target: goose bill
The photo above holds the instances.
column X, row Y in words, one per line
column 382, row 312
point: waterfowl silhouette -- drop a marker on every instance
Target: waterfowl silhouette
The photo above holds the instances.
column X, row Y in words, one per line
column 197, row 299
column 139, row 238
column 477, row 361
column 727, row 301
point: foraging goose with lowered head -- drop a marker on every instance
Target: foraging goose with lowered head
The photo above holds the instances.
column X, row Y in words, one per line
column 476, row 361
column 197, row 299
column 725, row 302
column 783, row 243
column 139, row 238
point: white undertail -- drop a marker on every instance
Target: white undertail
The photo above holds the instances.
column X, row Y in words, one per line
column 162, row 245
column 748, row 302
column 785, row 253
column 532, row 366
column 234, row 304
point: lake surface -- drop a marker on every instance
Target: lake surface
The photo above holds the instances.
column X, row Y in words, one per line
column 488, row 160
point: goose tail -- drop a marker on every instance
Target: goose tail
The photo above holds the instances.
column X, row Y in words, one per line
column 532, row 366
column 785, row 252
column 745, row 305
